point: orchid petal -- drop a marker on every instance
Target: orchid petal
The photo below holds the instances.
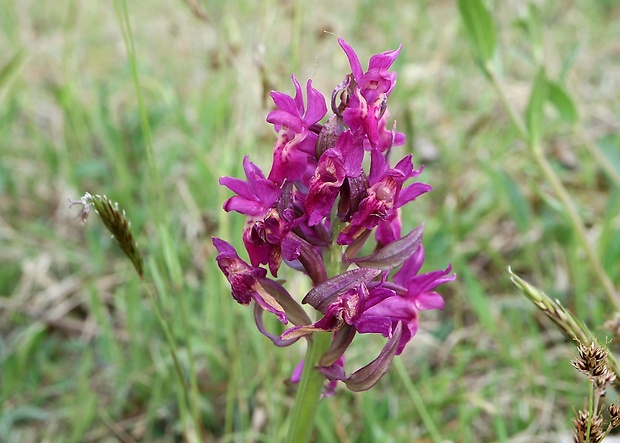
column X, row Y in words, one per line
column 354, row 61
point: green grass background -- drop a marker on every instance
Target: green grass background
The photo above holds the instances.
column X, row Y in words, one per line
column 82, row 357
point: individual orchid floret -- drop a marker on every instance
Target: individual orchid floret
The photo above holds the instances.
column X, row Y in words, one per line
column 337, row 163
column 419, row 288
column 377, row 79
column 245, row 280
column 325, row 185
column 265, row 235
column 344, row 310
column 254, row 196
column 386, row 139
column 268, row 239
column 293, row 153
column 413, row 293
column 366, row 98
column 383, row 196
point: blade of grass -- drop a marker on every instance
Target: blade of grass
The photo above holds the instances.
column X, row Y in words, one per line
column 160, row 217
column 9, row 72
column 416, row 399
column 158, row 211
column 560, row 191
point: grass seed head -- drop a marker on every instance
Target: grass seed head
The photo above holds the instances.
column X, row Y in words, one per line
column 591, row 361
column 585, row 421
column 116, row 222
column 614, row 414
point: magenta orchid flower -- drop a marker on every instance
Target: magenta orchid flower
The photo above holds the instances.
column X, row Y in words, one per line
column 330, row 187
column 413, row 293
column 254, row 196
column 385, row 194
column 335, row 164
column 368, row 100
column 245, row 280
column 295, row 143
column 268, row 240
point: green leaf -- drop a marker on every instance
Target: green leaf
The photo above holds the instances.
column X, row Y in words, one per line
column 519, row 205
column 9, row 71
column 534, row 28
column 569, row 61
column 562, row 102
column 480, row 28
column 535, row 107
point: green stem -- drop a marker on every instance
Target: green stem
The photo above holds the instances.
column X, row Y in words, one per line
column 177, row 364
column 590, row 411
column 159, row 212
column 309, row 393
column 311, row 384
column 560, row 192
column 601, row 158
column 514, row 116
column 579, row 227
column 194, row 393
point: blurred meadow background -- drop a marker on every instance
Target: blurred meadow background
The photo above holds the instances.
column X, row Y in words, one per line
column 82, row 355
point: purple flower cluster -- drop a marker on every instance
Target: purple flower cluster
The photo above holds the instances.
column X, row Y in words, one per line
column 330, row 186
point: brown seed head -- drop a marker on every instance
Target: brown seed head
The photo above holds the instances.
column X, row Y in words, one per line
column 591, row 361
column 602, row 381
column 582, row 422
column 614, row 413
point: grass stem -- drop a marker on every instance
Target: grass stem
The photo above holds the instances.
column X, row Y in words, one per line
column 160, row 217
column 417, row 400
column 560, row 191
column 177, row 364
